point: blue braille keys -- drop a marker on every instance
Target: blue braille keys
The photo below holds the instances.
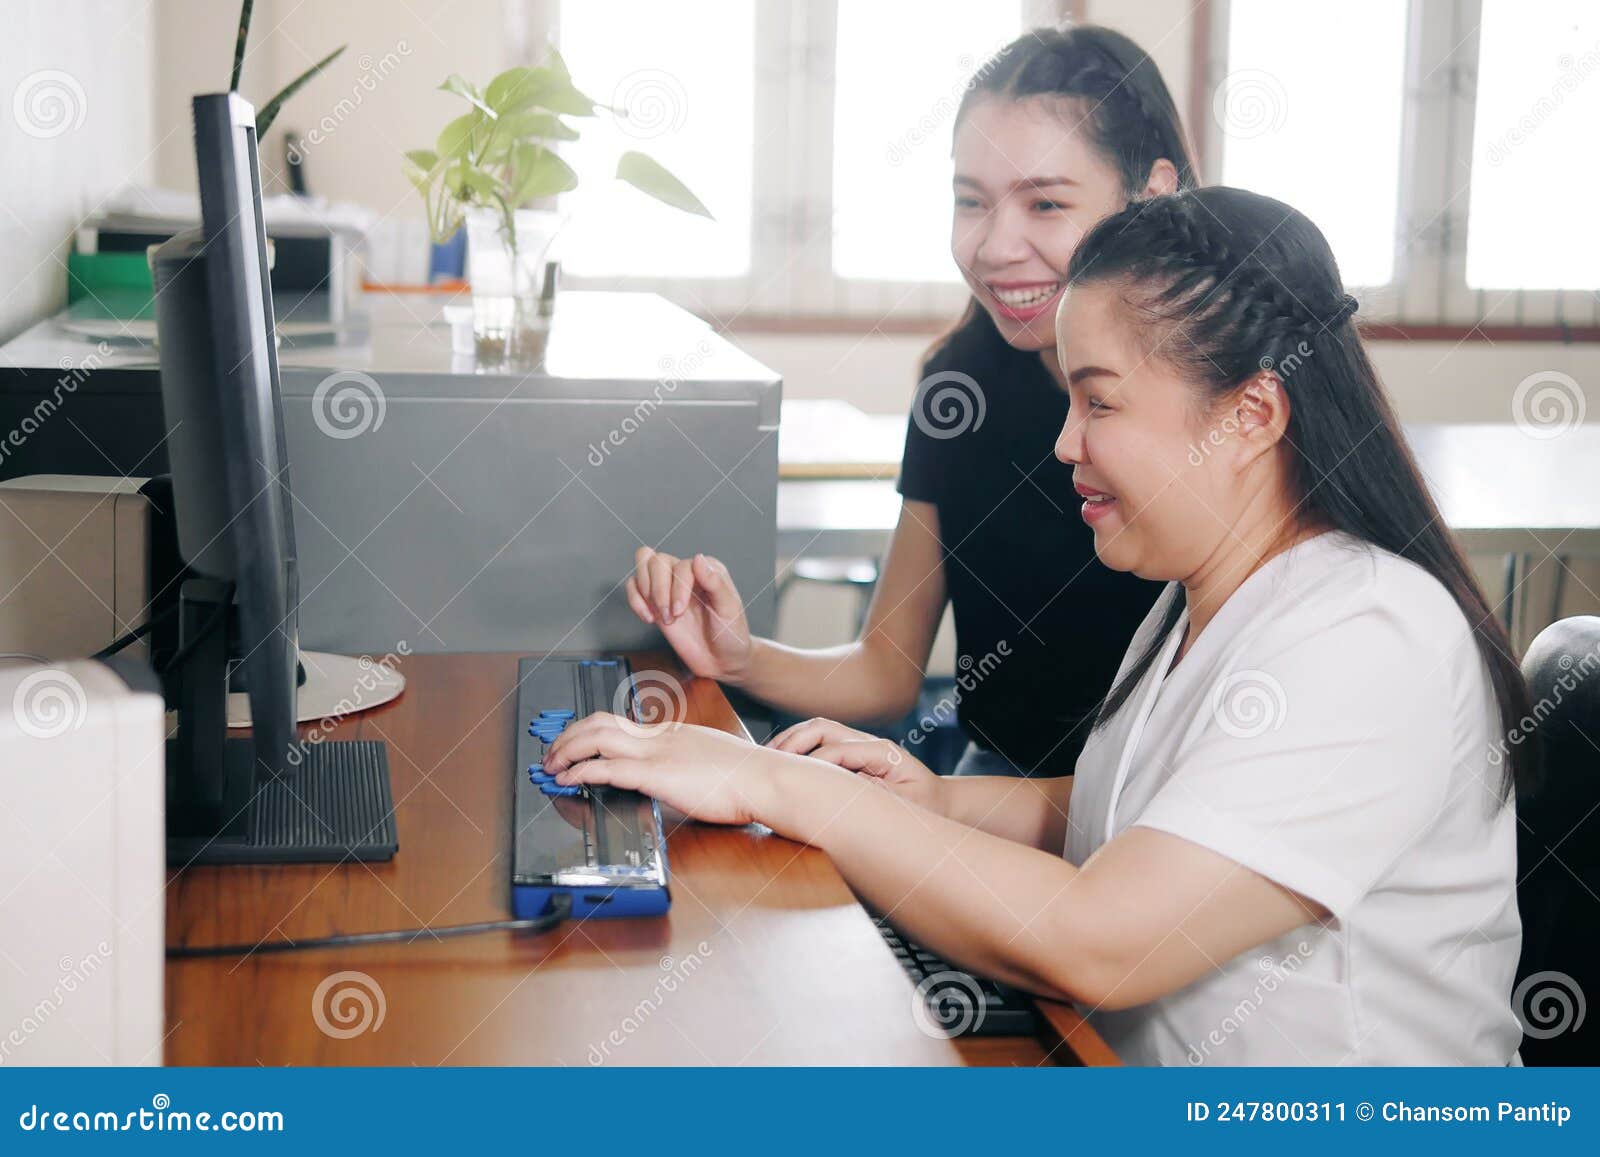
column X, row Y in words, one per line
column 537, row 774
column 558, row 713
column 553, row 788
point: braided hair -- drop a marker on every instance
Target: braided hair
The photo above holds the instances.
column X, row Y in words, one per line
column 1109, row 90
column 1223, row 284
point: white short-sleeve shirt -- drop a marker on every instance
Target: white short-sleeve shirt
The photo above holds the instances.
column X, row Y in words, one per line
column 1333, row 729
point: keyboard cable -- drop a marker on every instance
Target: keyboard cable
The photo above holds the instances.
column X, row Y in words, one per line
column 560, row 909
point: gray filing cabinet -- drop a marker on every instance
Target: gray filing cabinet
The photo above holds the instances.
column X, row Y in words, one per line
column 452, row 509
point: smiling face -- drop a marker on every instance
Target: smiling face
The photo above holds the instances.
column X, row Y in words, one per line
column 1165, row 477
column 1027, row 188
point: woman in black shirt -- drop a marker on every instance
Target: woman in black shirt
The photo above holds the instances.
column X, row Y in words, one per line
column 1058, row 130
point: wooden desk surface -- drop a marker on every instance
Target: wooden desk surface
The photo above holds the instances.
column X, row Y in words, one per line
column 765, row 958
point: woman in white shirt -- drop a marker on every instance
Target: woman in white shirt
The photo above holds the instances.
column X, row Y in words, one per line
column 1291, row 836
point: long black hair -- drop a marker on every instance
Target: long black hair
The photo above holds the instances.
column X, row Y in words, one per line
column 1110, row 90
column 1229, row 283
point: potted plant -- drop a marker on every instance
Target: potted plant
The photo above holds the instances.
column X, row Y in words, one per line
column 268, row 112
column 496, row 169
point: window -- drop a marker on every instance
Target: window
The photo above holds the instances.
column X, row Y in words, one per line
column 900, row 71
column 817, row 132
column 1294, row 127
column 687, row 79
column 1534, row 158
column 1445, row 147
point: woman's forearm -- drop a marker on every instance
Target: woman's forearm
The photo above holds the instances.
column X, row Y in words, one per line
column 923, row 870
column 853, row 683
column 1025, row 811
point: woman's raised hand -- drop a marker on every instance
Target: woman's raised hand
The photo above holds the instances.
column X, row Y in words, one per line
column 697, row 607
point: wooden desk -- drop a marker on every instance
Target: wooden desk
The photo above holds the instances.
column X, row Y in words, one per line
column 766, row 958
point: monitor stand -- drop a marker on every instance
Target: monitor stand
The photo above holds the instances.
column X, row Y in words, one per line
column 224, row 806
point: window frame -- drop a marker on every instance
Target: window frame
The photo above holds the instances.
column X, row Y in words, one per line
column 1428, row 290
column 791, row 259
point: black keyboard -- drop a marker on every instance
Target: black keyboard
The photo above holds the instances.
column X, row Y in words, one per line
column 956, row 1003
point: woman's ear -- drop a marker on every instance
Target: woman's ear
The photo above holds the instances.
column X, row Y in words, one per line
column 1261, row 416
column 1163, row 178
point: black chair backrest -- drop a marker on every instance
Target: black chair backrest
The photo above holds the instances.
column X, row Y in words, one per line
column 1558, row 848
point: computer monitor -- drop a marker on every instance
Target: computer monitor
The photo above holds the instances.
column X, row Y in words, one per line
column 271, row 797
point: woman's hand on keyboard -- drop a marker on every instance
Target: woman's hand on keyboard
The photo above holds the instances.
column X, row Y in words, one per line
column 697, row 607
column 706, row 774
column 880, row 759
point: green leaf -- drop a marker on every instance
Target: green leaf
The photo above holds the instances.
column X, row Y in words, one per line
column 539, row 173
column 462, row 88
column 648, row 176
column 552, row 88
column 477, row 180
column 269, row 111
column 538, row 125
column 455, row 139
column 419, row 169
column 513, row 89
column 238, row 44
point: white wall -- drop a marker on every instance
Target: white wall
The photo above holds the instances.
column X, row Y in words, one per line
column 379, row 99
column 81, row 70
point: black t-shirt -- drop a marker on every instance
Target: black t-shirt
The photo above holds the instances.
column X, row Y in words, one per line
column 1041, row 623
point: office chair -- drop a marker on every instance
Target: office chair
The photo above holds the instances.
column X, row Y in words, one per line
column 1558, row 850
